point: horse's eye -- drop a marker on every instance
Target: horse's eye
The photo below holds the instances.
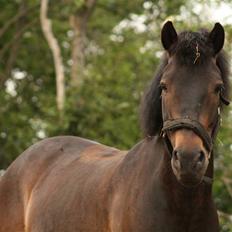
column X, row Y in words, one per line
column 218, row 88
column 163, row 86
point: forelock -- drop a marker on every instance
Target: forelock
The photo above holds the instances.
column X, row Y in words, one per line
column 191, row 43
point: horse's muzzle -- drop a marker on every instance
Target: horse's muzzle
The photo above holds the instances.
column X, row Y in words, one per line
column 189, row 166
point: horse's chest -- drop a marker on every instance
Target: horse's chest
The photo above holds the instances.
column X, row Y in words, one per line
column 161, row 219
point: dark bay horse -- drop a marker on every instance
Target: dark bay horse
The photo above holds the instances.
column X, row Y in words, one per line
column 163, row 184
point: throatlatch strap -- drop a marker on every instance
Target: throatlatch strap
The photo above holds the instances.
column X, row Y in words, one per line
column 174, row 124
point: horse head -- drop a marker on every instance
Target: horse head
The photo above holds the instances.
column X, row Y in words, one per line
column 185, row 100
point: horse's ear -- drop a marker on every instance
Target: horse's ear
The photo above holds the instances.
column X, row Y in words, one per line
column 217, row 37
column 168, row 35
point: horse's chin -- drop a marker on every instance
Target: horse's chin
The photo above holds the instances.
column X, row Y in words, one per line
column 189, row 181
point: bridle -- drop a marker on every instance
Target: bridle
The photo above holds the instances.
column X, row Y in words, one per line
column 191, row 124
column 194, row 125
column 187, row 123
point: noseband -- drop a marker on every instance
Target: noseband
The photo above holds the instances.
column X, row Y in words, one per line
column 196, row 127
column 186, row 123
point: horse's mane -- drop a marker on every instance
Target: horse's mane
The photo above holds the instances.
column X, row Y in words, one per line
column 184, row 49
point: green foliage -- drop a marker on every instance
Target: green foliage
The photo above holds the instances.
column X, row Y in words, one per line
column 79, row 3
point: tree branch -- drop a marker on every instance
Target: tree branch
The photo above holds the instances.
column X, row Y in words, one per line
column 13, row 20
column 90, row 7
column 56, row 52
column 10, row 44
column 16, row 37
column 15, row 47
column 78, row 22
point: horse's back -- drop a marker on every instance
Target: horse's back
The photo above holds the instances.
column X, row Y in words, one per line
column 44, row 185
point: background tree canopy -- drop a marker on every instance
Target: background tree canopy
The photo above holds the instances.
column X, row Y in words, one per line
column 109, row 51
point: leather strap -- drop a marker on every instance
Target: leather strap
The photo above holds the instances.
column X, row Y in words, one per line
column 174, row 124
column 197, row 127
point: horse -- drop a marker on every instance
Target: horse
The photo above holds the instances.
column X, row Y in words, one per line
column 162, row 184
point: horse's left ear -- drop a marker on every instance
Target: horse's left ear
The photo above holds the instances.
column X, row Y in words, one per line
column 168, row 35
column 217, row 37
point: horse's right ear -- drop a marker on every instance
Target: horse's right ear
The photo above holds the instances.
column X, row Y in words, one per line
column 217, row 37
column 168, row 35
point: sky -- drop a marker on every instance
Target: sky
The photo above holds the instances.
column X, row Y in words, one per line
column 217, row 13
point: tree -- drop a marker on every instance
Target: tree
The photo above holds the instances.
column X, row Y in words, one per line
column 78, row 22
column 54, row 46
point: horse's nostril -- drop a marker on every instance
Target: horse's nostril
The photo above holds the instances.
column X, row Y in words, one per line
column 175, row 155
column 176, row 160
column 201, row 157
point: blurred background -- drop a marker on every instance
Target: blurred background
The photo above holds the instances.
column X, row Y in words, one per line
column 79, row 67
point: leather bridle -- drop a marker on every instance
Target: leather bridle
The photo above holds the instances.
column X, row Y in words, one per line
column 191, row 124
column 194, row 125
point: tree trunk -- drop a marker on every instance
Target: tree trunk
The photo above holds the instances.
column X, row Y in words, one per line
column 78, row 22
column 78, row 56
column 55, row 49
